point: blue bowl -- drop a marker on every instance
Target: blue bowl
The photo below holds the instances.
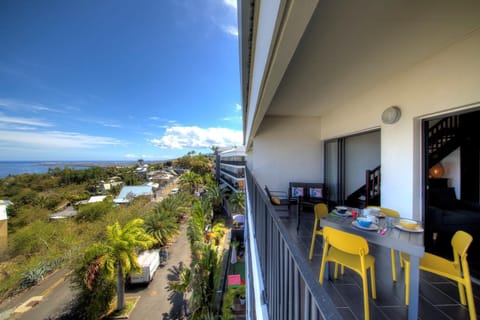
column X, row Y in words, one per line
column 364, row 222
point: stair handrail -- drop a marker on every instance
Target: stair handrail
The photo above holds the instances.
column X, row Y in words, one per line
column 372, row 184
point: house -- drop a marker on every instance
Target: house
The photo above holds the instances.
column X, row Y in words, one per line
column 129, row 193
column 335, row 90
column 94, row 199
column 4, row 224
column 107, row 186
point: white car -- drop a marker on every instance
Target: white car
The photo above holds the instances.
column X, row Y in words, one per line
column 174, row 190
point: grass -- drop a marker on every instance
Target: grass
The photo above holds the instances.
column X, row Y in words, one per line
column 130, row 303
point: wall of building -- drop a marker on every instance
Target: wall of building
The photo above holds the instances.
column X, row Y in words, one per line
column 287, row 149
column 451, row 164
column 445, row 82
column 3, row 235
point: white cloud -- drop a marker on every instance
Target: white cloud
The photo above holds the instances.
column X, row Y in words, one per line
column 231, row 30
column 19, row 105
column 231, row 3
column 57, row 139
column 134, row 156
column 195, row 137
column 238, row 107
column 23, row 121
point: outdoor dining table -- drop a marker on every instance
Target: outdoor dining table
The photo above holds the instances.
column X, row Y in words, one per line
column 404, row 241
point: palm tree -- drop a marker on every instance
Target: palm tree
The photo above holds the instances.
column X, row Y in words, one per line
column 119, row 252
column 191, row 180
column 204, row 277
column 162, row 224
column 215, row 195
column 176, row 204
column 237, row 202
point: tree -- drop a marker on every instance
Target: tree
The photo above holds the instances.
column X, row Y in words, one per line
column 215, row 195
column 119, row 252
column 162, row 225
column 191, row 180
column 237, row 202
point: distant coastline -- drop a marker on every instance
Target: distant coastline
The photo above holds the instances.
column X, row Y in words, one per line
column 88, row 164
column 36, row 167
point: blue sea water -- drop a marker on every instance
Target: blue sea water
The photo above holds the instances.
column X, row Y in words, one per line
column 19, row 167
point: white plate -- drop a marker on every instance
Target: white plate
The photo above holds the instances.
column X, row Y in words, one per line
column 399, row 226
column 341, row 208
column 372, row 227
column 345, row 214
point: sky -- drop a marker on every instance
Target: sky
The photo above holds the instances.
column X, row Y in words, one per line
column 118, row 79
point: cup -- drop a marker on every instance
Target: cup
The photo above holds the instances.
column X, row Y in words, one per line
column 354, row 214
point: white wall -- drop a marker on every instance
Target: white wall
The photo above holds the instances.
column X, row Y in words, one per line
column 451, row 164
column 446, row 81
column 362, row 152
column 287, row 149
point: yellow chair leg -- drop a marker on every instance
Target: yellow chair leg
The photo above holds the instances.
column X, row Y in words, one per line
column 313, row 239
column 407, row 282
column 394, row 268
column 365, row 295
column 471, row 301
column 372, row 279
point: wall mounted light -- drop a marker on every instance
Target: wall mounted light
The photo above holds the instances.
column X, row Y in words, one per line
column 391, row 115
column 437, row 171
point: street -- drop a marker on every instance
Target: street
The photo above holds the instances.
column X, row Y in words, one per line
column 50, row 299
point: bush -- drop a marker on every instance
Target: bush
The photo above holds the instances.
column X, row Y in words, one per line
column 93, row 211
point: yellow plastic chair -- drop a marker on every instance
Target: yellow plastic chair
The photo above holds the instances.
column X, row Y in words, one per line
column 321, row 210
column 395, row 214
column 456, row 270
column 350, row 251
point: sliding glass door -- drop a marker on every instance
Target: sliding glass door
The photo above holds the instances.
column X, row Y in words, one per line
column 346, row 161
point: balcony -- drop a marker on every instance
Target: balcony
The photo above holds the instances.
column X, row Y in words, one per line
column 283, row 283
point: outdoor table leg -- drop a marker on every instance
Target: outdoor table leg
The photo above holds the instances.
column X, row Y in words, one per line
column 414, row 287
column 298, row 214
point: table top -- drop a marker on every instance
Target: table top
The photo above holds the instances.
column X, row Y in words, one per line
column 405, row 241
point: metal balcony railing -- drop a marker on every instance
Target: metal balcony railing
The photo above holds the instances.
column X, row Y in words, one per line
column 280, row 284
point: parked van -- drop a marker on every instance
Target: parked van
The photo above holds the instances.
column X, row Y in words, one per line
column 149, row 260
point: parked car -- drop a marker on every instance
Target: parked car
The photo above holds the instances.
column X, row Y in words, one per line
column 149, row 260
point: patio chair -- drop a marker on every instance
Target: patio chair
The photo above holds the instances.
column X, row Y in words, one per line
column 350, row 251
column 321, row 210
column 394, row 214
column 278, row 198
column 456, row 270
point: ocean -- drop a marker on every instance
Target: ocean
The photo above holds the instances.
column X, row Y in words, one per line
column 19, row 167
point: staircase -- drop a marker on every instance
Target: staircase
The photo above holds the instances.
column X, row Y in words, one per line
column 443, row 138
column 369, row 193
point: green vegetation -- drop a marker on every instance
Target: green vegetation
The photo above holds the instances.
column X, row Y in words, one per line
column 116, row 256
column 101, row 242
column 201, row 278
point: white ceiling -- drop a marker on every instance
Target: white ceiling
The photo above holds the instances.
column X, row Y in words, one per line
column 352, row 45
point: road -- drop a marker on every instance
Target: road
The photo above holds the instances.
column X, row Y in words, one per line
column 50, row 299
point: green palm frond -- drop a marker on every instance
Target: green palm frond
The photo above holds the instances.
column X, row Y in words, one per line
column 162, row 225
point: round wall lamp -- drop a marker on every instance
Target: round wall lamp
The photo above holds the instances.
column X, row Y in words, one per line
column 391, row 115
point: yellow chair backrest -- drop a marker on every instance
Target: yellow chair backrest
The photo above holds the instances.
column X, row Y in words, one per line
column 460, row 243
column 345, row 241
column 389, row 212
column 321, row 210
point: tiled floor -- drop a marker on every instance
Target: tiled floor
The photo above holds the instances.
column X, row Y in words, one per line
column 438, row 297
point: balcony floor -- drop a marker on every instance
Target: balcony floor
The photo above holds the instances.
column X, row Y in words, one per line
column 438, row 296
